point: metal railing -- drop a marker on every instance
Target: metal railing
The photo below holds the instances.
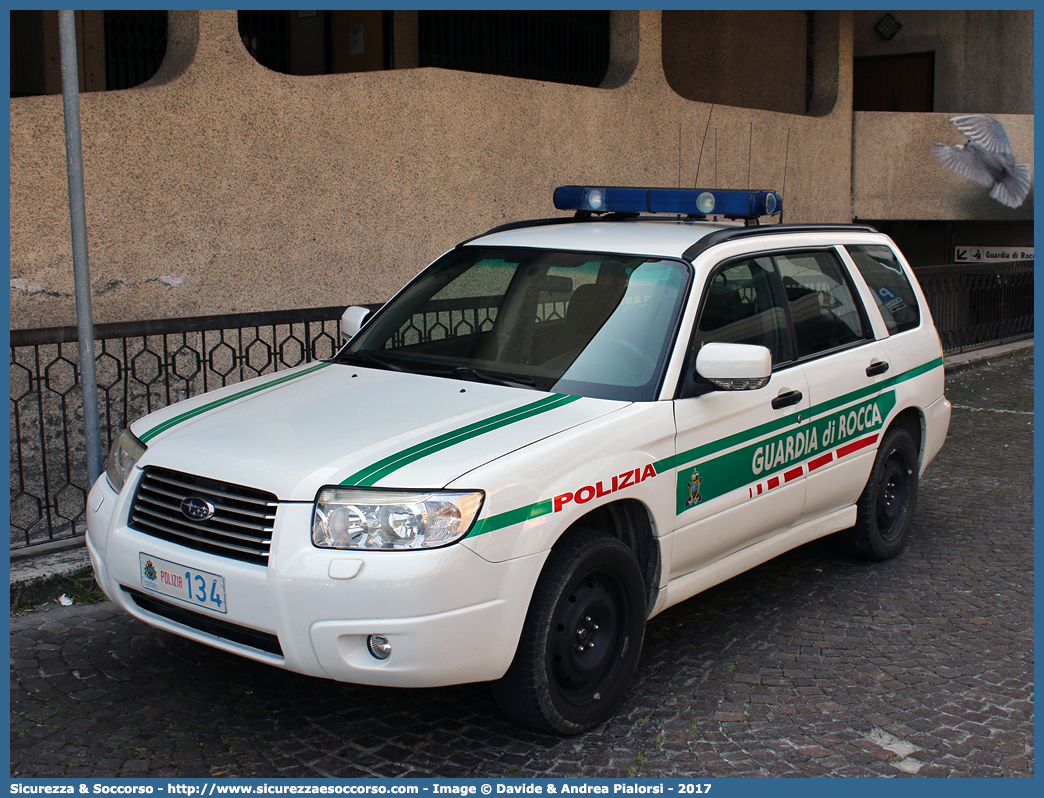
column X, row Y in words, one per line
column 977, row 305
column 143, row 366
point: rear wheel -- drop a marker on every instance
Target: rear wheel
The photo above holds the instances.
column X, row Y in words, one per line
column 887, row 504
column 581, row 639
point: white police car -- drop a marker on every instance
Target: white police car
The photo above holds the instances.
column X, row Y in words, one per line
column 557, row 430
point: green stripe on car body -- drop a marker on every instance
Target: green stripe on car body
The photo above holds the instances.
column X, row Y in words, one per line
column 761, row 459
column 512, row 517
column 819, row 414
column 145, row 437
column 372, row 474
column 377, row 471
column 734, row 461
column 883, row 385
column 816, row 411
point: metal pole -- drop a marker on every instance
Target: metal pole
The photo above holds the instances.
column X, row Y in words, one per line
column 78, row 223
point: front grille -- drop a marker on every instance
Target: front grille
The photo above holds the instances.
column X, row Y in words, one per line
column 240, row 529
column 213, row 626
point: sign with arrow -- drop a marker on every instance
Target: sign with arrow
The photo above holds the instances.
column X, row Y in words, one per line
column 981, row 254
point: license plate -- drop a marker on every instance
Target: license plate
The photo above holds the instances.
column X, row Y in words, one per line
column 191, row 585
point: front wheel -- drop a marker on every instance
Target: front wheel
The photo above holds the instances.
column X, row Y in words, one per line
column 886, row 507
column 581, row 639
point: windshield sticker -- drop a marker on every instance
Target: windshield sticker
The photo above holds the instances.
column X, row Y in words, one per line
column 889, row 299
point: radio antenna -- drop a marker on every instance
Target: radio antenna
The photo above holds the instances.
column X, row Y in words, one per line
column 750, row 151
column 700, row 161
column 679, row 154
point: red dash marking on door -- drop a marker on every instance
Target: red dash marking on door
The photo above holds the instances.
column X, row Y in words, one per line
column 855, row 446
column 820, row 461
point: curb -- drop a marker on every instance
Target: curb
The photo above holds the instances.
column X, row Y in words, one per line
column 42, row 579
column 51, row 567
column 965, row 360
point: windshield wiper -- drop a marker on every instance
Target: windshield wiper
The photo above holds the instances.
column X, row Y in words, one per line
column 373, row 360
column 460, row 372
column 512, row 380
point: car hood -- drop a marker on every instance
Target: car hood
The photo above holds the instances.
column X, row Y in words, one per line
column 332, row 424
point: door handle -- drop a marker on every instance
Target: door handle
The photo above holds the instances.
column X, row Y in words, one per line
column 786, row 399
column 875, row 368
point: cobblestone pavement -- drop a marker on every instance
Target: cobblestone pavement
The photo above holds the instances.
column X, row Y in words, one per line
column 811, row 665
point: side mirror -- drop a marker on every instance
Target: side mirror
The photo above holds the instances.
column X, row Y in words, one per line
column 735, row 367
column 352, row 320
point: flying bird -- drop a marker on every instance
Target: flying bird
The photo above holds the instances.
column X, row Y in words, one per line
column 986, row 157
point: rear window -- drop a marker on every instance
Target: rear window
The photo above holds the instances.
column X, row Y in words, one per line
column 892, row 290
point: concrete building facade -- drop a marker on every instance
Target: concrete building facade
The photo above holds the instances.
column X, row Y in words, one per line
column 222, row 186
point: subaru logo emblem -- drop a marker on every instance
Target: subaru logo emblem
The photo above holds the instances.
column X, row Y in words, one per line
column 197, row 509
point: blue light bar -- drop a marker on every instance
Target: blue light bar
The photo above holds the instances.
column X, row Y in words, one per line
column 733, row 203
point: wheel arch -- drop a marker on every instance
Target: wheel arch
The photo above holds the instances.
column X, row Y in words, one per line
column 912, row 420
column 630, row 522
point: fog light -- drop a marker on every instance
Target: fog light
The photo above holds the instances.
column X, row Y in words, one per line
column 379, row 646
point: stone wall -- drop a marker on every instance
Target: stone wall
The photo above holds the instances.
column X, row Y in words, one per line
column 983, row 59
column 895, row 176
column 220, row 186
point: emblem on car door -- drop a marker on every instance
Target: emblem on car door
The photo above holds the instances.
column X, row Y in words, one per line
column 197, row 509
column 694, row 489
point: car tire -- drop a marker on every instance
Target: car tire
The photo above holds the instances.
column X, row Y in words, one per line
column 888, row 502
column 581, row 639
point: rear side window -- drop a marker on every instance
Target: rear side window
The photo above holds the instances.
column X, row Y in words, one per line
column 892, row 290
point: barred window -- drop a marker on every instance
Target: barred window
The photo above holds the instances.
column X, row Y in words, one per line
column 557, row 46
column 135, row 43
column 266, row 35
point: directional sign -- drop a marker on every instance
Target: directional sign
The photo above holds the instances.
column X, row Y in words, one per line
column 983, row 254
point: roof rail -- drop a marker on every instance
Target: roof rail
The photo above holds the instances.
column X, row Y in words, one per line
column 519, row 225
column 579, row 216
column 720, row 236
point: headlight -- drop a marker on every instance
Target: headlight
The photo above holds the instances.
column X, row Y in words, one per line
column 391, row 520
column 125, row 452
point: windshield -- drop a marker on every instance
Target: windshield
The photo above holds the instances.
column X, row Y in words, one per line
column 570, row 322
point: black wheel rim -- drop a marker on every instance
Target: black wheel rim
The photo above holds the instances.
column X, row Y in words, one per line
column 589, row 637
column 893, row 496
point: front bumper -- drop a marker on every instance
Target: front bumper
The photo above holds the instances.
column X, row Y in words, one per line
column 451, row 616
